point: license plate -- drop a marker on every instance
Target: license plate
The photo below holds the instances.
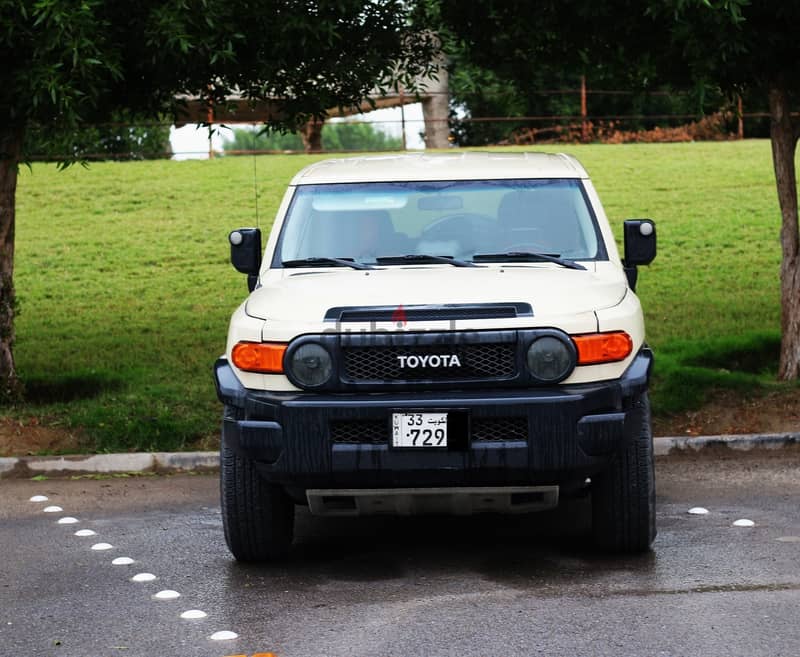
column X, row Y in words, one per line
column 419, row 429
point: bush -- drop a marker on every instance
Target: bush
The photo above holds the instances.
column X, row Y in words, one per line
column 335, row 137
column 121, row 140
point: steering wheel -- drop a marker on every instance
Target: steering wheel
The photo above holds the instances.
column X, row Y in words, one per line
column 451, row 226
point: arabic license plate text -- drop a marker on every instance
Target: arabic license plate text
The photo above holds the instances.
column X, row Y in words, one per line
column 419, row 429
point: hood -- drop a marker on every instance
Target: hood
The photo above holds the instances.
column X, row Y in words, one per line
column 302, row 295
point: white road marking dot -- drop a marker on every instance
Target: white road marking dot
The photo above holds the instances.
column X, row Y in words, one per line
column 789, row 539
column 102, row 546
column 85, row 532
column 67, row 520
column 744, row 522
column 143, row 577
column 167, row 594
column 698, row 511
column 122, row 561
column 225, row 635
column 38, row 498
column 193, row 614
column 52, row 509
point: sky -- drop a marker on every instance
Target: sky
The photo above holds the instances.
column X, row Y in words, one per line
column 191, row 142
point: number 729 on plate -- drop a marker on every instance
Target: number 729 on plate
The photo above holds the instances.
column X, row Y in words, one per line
column 419, row 429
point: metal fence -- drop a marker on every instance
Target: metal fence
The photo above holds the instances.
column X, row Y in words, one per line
column 125, row 141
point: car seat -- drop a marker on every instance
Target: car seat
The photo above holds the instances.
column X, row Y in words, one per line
column 542, row 218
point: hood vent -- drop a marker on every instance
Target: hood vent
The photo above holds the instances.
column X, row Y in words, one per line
column 429, row 313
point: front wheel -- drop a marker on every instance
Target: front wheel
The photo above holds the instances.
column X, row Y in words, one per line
column 258, row 517
column 624, row 496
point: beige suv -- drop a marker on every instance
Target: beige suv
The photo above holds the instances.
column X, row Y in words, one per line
column 437, row 333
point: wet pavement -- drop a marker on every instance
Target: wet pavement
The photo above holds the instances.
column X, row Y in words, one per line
column 481, row 586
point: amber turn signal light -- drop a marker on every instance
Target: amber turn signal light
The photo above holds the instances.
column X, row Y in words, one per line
column 264, row 357
column 597, row 348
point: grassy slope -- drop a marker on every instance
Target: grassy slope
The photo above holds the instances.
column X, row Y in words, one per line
column 126, row 289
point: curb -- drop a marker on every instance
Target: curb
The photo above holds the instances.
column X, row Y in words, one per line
column 153, row 462
column 177, row 462
column 727, row 444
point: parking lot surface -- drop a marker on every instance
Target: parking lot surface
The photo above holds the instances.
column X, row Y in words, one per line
column 479, row 586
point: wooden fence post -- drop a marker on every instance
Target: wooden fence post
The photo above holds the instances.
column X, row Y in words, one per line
column 584, row 122
column 740, row 116
column 403, row 119
column 210, row 119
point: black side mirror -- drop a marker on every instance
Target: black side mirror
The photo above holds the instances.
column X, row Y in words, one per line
column 246, row 253
column 640, row 246
column 640, row 242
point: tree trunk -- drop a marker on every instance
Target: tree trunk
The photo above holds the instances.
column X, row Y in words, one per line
column 10, row 145
column 784, row 142
column 436, row 107
column 311, row 135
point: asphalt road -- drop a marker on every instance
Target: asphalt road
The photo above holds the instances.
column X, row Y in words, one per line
column 482, row 586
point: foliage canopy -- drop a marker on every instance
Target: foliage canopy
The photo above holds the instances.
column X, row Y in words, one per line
column 68, row 62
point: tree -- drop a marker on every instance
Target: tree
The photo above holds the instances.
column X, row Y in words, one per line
column 749, row 46
column 503, row 71
column 735, row 46
column 71, row 62
column 488, row 92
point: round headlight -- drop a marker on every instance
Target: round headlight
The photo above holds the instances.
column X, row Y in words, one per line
column 311, row 365
column 549, row 359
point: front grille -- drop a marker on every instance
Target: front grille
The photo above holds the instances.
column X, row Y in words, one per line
column 376, row 432
column 499, row 428
column 359, row 431
column 481, row 361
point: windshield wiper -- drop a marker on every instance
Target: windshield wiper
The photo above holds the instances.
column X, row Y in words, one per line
column 422, row 258
column 326, row 262
column 527, row 256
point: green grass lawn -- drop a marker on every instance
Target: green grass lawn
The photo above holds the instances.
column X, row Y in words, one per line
column 126, row 289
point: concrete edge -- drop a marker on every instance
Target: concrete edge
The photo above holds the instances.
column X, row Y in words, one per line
column 727, row 443
column 137, row 463
column 176, row 462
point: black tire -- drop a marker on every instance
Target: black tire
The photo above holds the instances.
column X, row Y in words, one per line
column 258, row 517
column 624, row 496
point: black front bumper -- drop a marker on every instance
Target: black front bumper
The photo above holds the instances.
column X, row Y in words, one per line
column 572, row 432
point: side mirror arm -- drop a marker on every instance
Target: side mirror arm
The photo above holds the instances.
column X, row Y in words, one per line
column 632, row 274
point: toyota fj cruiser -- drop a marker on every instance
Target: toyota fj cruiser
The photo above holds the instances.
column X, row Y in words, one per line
column 437, row 333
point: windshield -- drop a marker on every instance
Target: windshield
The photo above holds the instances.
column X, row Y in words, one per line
column 365, row 222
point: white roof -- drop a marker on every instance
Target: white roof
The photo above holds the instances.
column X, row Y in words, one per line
column 441, row 166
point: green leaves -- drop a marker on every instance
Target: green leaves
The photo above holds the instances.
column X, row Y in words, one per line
column 59, row 63
column 75, row 61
